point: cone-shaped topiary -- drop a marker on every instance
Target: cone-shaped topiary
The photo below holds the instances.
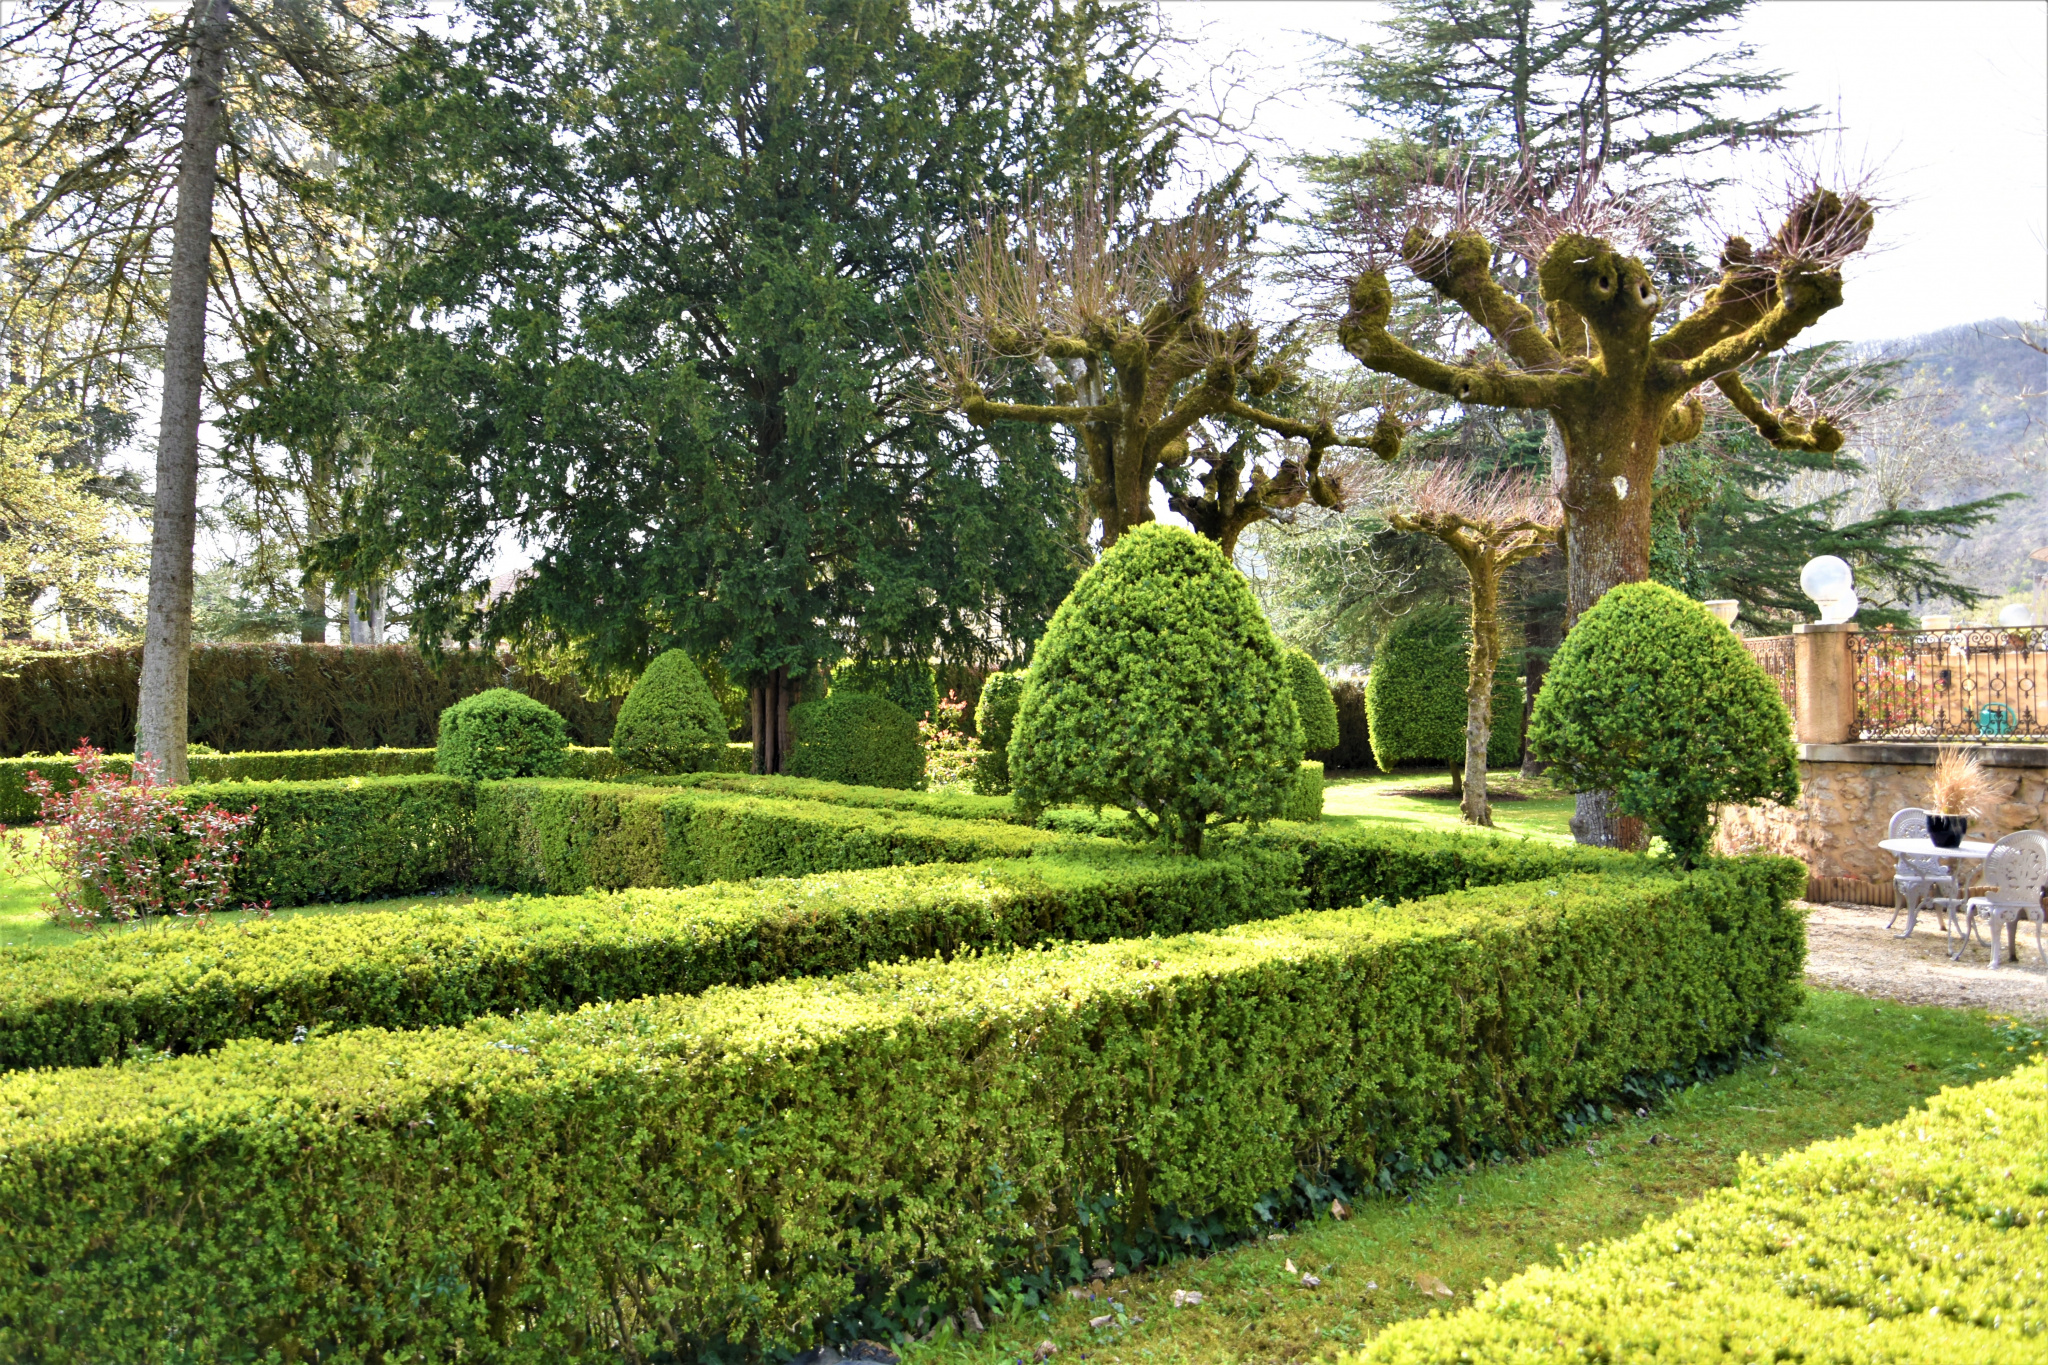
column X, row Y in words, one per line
column 1160, row 690
column 995, row 721
column 670, row 722
column 910, row 683
column 1415, row 694
column 857, row 738
column 499, row 734
column 1651, row 698
column 1313, row 702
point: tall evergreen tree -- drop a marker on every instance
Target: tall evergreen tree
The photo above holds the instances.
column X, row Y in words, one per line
column 651, row 311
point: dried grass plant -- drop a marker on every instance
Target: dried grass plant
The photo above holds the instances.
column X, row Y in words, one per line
column 1960, row 785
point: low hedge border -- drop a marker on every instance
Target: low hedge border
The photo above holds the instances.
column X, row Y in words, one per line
column 540, row 834
column 100, row 999
column 308, row 765
column 1303, row 802
column 1343, row 865
column 1922, row 1240
column 679, row 1172
column 948, row 805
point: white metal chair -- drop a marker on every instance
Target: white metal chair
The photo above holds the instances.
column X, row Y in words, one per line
column 2018, row 867
column 1918, row 879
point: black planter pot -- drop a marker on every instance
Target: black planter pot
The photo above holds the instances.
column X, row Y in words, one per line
column 1946, row 831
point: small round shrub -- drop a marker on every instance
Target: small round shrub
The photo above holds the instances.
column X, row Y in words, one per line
column 1415, row 694
column 1160, row 690
column 910, row 683
column 1313, row 702
column 670, row 722
column 857, row 738
column 1651, row 698
column 995, row 720
column 499, row 734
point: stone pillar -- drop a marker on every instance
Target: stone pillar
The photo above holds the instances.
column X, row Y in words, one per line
column 1825, row 659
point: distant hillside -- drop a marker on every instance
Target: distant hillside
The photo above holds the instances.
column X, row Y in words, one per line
column 2000, row 386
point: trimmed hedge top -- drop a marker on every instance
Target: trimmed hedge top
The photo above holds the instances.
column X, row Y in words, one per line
column 1921, row 1241
column 995, row 721
column 1312, row 701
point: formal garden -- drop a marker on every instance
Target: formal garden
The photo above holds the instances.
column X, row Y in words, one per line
column 799, row 681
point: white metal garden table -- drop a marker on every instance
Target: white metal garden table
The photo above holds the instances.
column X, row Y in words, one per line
column 1971, row 851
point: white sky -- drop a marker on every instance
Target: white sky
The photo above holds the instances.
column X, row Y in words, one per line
column 1948, row 99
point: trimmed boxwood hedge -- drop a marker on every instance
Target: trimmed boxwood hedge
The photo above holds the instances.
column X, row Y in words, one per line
column 950, row 805
column 189, row 990
column 1304, row 799
column 855, row 737
column 1918, row 1241
column 551, row 835
column 731, row 1167
column 350, row 839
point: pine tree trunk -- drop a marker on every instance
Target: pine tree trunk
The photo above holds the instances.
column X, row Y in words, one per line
column 313, row 612
column 769, row 699
column 162, row 708
column 1532, row 683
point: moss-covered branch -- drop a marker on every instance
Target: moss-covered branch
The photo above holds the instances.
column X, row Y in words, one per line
column 1459, row 266
column 1779, row 428
column 1363, row 332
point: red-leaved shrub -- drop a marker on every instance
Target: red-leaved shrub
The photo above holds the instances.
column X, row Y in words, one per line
column 126, row 846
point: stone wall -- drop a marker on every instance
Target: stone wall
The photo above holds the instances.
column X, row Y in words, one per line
column 1847, row 795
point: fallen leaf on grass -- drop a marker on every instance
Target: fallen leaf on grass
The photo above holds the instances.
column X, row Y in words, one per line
column 1186, row 1298
column 1310, row 1282
column 1289, row 1267
column 1430, row 1284
column 1339, row 1210
column 1105, row 1320
column 1046, row 1350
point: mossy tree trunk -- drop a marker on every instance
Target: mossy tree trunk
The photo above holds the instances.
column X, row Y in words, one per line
column 1616, row 392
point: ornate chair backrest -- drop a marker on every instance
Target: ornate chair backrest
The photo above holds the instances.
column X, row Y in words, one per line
column 1910, row 822
column 2018, row 866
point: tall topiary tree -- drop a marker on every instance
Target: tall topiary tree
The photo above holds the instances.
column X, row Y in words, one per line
column 1312, row 702
column 1416, row 706
column 670, row 722
column 995, row 721
column 1653, row 699
column 857, row 738
column 1159, row 689
column 499, row 734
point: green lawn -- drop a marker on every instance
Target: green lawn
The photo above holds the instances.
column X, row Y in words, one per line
column 1543, row 812
column 24, row 922
column 1846, row 1061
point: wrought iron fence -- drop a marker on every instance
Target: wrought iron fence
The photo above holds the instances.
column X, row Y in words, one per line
column 1774, row 652
column 1988, row 684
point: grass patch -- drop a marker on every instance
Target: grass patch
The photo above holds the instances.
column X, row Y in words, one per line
column 1384, row 798
column 24, row 923
column 1845, row 1061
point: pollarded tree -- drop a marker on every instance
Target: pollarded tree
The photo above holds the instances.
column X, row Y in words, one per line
column 1490, row 524
column 1129, row 335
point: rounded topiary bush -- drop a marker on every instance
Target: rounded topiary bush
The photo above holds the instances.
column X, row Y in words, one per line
column 670, row 722
column 1652, row 699
column 855, row 737
column 995, row 721
column 1160, row 690
column 910, row 683
column 499, row 734
column 1312, row 702
column 1415, row 694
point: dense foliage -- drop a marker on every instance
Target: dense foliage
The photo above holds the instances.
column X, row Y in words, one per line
column 1653, row 699
column 910, row 683
column 854, row 737
column 499, row 734
column 1415, row 694
column 670, row 722
column 671, row 250
column 995, row 722
column 1861, row 1213
column 1159, row 690
column 274, row 698
column 1312, row 702
column 898, row 1077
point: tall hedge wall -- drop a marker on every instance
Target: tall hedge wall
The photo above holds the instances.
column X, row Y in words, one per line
column 1354, row 731
column 679, row 1173
column 263, row 698
column 1919, row 1241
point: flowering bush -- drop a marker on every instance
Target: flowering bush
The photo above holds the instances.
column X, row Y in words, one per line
column 126, row 847
column 949, row 755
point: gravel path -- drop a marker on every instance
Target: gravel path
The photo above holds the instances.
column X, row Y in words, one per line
column 1848, row 947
